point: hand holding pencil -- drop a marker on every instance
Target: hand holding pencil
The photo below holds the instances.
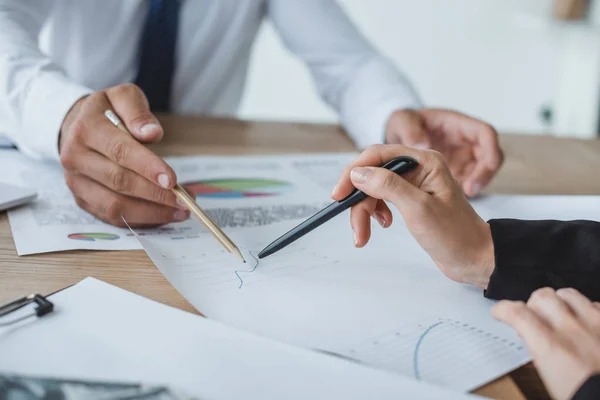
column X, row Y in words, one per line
column 112, row 173
column 190, row 203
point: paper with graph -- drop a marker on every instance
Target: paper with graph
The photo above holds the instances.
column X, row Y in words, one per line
column 100, row 333
column 386, row 305
column 237, row 192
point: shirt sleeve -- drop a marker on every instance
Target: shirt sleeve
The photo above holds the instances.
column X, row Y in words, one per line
column 351, row 76
column 35, row 93
column 590, row 390
column 534, row 254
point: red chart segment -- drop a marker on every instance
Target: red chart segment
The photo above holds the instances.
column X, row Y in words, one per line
column 236, row 188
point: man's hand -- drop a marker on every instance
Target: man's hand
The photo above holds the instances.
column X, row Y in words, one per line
column 562, row 331
column 112, row 174
column 470, row 147
column 432, row 204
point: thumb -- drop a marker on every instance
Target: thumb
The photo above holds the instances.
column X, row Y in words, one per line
column 131, row 105
column 408, row 128
column 384, row 184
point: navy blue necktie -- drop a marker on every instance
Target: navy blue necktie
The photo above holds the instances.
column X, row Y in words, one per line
column 157, row 53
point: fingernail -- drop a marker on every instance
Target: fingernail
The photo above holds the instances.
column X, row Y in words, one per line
column 163, row 180
column 355, row 239
column 148, row 129
column 181, row 215
column 379, row 218
column 181, row 204
column 360, row 174
column 334, row 190
column 420, row 146
column 476, row 189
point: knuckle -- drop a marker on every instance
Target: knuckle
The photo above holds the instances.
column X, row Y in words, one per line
column 80, row 203
column 67, row 157
column 76, row 131
column 515, row 309
column 126, row 89
column 570, row 327
column 118, row 179
column 374, row 149
column 489, row 131
column 389, row 180
column 162, row 196
column 112, row 211
column 118, row 151
column 437, row 158
column 70, row 180
column 540, row 295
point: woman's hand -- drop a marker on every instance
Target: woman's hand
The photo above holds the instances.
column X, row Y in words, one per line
column 432, row 204
column 562, row 331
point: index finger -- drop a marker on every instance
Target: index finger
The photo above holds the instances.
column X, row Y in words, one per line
column 127, row 152
column 375, row 156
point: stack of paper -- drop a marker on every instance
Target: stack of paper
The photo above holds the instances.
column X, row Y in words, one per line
column 102, row 333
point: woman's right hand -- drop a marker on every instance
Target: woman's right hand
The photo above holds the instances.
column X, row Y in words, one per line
column 432, row 205
column 562, row 332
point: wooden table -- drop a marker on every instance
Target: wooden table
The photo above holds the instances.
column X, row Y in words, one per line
column 529, row 168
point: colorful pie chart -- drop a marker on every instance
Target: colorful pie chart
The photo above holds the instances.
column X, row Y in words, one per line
column 237, row 188
column 93, row 236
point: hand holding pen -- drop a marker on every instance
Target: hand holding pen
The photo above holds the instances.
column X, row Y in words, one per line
column 111, row 173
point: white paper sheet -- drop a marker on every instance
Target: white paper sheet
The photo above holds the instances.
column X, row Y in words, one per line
column 386, row 305
column 100, row 332
column 279, row 188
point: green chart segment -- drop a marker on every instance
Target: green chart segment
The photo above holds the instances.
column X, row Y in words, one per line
column 93, row 236
column 238, row 188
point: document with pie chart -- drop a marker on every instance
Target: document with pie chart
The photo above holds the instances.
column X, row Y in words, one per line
column 236, row 192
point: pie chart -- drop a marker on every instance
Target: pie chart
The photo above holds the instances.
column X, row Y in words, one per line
column 238, row 188
column 93, row 236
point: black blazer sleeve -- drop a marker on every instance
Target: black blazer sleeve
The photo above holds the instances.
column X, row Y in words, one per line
column 534, row 254
column 590, row 390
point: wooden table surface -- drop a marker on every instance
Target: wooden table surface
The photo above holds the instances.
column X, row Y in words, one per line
column 530, row 167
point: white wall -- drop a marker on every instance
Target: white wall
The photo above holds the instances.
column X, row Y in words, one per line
column 500, row 60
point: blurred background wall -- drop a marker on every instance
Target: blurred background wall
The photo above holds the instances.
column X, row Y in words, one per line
column 510, row 62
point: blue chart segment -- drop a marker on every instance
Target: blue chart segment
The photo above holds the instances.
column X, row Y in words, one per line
column 442, row 351
column 255, row 263
column 418, row 346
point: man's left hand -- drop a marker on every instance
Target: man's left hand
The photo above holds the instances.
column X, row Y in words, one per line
column 470, row 146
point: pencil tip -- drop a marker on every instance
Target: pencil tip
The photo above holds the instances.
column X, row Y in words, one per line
column 239, row 255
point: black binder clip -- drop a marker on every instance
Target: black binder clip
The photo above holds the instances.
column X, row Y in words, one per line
column 43, row 307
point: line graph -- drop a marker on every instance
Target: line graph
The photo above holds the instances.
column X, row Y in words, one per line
column 442, row 351
column 418, row 345
column 237, row 272
column 206, row 265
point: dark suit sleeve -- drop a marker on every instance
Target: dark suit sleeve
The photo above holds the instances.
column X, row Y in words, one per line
column 534, row 254
column 590, row 390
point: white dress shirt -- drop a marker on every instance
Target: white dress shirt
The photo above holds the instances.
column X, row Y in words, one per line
column 53, row 52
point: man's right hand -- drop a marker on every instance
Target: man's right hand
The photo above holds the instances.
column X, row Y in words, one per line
column 112, row 174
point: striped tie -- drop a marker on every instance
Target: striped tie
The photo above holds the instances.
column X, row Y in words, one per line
column 157, row 53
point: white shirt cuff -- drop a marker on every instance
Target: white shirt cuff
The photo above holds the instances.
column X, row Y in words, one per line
column 48, row 102
column 376, row 91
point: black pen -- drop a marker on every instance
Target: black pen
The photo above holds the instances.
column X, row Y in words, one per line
column 399, row 165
